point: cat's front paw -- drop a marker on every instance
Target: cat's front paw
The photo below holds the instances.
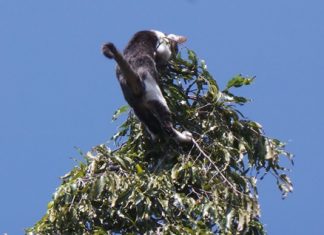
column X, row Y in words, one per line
column 187, row 136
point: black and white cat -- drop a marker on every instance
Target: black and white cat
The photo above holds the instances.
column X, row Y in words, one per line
column 138, row 77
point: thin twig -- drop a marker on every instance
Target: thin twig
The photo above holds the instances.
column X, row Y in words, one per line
column 217, row 169
column 70, row 207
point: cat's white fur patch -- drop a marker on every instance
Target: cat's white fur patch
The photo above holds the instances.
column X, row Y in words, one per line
column 153, row 91
column 163, row 49
column 163, row 46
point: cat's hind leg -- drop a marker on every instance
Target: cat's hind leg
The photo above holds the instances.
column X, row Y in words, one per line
column 163, row 114
column 150, row 122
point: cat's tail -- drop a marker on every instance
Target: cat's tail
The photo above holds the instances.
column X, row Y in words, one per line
column 132, row 78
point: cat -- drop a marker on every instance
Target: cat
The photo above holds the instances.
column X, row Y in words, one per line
column 138, row 77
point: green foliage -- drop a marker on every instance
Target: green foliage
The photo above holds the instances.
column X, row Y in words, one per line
column 207, row 187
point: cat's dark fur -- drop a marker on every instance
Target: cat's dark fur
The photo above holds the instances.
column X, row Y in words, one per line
column 138, row 76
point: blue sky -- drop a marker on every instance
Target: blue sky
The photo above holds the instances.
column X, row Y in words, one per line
column 58, row 92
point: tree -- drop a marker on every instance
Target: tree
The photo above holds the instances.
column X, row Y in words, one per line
column 207, row 187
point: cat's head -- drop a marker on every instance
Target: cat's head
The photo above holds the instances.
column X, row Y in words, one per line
column 167, row 45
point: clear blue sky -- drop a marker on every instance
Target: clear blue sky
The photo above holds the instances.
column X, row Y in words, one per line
column 57, row 91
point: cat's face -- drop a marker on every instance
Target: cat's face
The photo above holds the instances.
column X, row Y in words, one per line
column 167, row 45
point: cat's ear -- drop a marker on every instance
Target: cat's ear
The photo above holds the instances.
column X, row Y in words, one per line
column 177, row 38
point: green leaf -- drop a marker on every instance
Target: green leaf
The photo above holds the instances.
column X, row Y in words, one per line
column 192, row 55
column 99, row 231
column 120, row 111
column 239, row 81
column 139, row 169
